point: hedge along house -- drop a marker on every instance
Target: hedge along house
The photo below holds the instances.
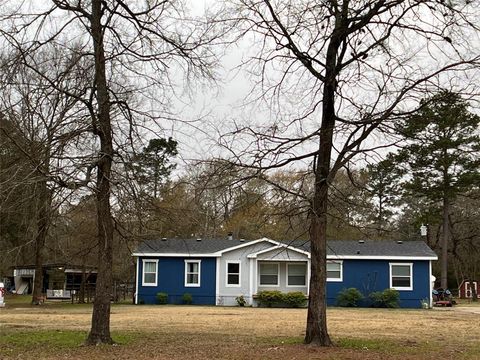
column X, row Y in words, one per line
column 216, row 271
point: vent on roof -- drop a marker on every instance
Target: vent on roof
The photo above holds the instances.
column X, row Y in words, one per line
column 399, row 242
column 230, row 236
column 358, row 252
column 242, row 240
column 361, row 241
column 164, row 239
column 199, row 239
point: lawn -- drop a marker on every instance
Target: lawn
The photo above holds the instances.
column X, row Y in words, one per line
column 56, row 331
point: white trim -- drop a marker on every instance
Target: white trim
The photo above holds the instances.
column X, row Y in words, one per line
column 329, row 257
column 250, row 285
column 143, row 272
column 221, row 252
column 469, row 286
column 177, row 255
column 402, row 288
column 277, row 247
column 199, row 262
column 308, row 275
column 136, row 282
column 341, row 271
column 255, row 283
column 259, row 275
column 297, row 263
column 377, row 257
column 217, row 281
column 239, row 274
column 430, row 285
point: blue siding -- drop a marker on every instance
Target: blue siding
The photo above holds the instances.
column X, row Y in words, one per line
column 374, row 275
column 171, row 280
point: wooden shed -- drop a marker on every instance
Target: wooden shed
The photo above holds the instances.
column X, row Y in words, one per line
column 465, row 289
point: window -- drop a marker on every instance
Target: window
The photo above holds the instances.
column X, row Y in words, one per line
column 334, row 271
column 149, row 277
column 233, row 274
column 269, row 274
column 401, row 276
column 192, row 273
column 296, row 274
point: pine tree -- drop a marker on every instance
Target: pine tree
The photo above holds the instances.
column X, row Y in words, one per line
column 441, row 156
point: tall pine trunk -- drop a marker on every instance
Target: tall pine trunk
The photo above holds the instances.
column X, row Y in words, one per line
column 445, row 241
column 100, row 329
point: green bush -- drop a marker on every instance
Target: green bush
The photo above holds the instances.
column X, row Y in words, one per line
column 162, row 298
column 349, row 297
column 388, row 298
column 241, row 300
column 277, row 298
column 187, row 298
column 294, row 299
column 269, row 298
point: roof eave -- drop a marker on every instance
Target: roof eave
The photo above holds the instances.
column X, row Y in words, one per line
column 379, row 257
column 139, row 254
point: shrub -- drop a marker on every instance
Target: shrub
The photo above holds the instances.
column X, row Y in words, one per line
column 294, row 299
column 388, row 298
column 187, row 298
column 269, row 298
column 275, row 297
column 162, row 298
column 241, row 300
column 349, row 297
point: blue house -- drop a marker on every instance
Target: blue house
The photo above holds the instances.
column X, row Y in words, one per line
column 216, row 271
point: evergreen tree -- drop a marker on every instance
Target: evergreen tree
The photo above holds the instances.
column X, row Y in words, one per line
column 441, row 156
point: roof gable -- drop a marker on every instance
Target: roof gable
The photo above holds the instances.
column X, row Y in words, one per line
column 281, row 247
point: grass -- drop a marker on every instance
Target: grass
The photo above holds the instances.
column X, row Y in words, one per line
column 169, row 332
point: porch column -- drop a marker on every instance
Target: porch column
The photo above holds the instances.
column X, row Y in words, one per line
column 308, row 277
column 250, row 273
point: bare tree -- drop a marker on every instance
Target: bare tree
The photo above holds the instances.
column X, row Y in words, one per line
column 134, row 49
column 39, row 123
column 336, row 73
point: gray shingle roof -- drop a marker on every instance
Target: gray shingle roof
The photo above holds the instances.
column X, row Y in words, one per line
column 186, row 246
column 380, row 248
column 343, row 248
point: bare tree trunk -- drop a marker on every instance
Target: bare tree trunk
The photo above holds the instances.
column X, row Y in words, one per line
column 445, row 241
column 316, row 332
column 100, row 330
column 43, row 221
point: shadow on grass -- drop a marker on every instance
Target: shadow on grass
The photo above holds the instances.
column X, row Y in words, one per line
column 13, row 342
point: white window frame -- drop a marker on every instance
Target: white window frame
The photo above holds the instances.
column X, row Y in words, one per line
column 199, row 262
column 143, row 272
column 260, row 274
column 401, row 288
column 341, row 270
column 468, row 289
column 306, row 270
column 239, row 274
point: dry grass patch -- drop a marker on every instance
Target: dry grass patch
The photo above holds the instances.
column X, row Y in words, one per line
column 237, row 333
